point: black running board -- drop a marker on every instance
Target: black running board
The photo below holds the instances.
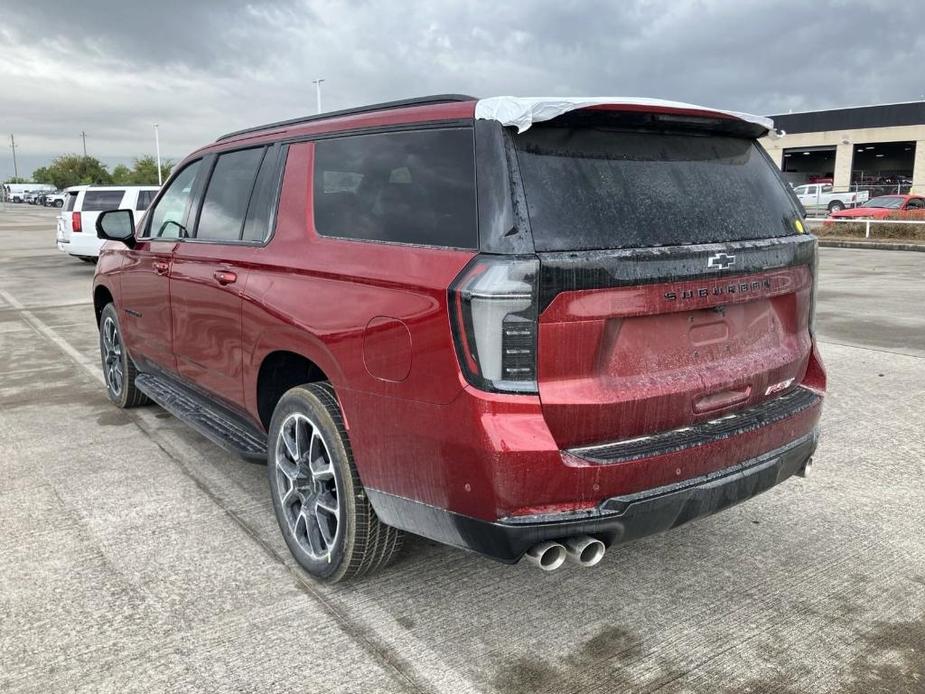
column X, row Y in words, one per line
column 213, row 421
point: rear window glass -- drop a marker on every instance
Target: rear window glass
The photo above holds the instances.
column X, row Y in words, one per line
column 99, row 200
column 225, row 204
column 69, row 201
column 145, row 198
column 593, row 188
column 409, row 187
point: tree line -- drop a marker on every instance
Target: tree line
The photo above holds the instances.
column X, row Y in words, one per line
column 74, row 169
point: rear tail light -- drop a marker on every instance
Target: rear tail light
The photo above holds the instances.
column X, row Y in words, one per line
column 493, row 310
column 814, row 269
column 75, row 221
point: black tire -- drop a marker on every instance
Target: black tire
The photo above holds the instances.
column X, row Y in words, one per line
column 836, row 206
column 122, row 390
column 59, row 203
column 87, row 259
column 360, row 543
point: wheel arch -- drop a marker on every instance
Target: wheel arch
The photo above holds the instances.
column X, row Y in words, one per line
column 101, row 297
column 279, row 371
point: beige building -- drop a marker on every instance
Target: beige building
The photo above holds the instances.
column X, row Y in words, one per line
column 876, row 148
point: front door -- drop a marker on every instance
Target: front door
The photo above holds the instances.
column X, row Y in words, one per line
column 145, row 303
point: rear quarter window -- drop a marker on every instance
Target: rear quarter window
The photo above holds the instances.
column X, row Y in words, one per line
column 413, row 187
column 598, row 188
column 100, row 200
column 145, row 198
column 69, row 201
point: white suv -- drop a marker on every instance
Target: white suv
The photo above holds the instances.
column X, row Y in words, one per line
column 76, row 233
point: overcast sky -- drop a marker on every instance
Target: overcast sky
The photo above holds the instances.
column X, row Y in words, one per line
column 203, row 68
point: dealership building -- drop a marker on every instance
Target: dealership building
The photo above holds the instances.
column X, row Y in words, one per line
column 876, row 148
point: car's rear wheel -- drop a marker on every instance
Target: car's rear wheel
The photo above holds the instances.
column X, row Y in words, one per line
column 323, row 512
column 118, row 368
column 836, row 206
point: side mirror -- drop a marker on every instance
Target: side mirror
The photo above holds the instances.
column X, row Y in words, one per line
column 116, row 225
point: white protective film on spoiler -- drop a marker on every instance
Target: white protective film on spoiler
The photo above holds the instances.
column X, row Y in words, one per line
column 522, row 112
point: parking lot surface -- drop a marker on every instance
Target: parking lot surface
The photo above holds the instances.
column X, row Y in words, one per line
column 137, row 556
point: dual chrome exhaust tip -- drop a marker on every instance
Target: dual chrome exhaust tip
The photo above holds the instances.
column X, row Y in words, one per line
column 583, row 550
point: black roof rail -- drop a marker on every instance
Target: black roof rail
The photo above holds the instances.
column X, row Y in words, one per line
column 386, row 105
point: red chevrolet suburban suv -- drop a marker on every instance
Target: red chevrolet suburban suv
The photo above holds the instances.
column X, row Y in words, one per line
column 523, row 327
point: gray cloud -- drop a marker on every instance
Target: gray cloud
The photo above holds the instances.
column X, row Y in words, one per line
column 203, row 68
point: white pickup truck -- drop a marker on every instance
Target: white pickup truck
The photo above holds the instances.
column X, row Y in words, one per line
column 818, row 197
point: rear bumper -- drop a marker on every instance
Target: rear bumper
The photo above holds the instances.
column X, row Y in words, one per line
column 85, row 245
column 615, row 520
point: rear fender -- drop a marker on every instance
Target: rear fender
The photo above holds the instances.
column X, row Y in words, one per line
column 289, row 339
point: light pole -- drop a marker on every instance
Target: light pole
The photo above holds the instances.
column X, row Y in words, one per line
column 157, row 148
column 317, row 84
column 83, row 136
column 13, row 147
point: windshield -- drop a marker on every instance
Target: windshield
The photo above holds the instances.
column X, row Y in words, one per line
column 598, row 188
column 890, row 202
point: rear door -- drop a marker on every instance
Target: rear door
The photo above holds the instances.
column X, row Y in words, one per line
column 674, row 285
column 810, row 198
column 210, row 270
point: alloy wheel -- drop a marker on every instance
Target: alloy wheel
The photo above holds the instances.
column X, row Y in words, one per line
column 112, row 357
column 307, row 487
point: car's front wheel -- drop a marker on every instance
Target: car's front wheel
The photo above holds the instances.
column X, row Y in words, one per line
column 118, row 368
column 321, row 507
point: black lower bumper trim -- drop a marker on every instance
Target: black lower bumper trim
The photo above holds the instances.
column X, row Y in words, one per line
column 736, row 424
column 616, row 520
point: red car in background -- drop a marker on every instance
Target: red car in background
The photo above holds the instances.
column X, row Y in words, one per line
column 886, row 206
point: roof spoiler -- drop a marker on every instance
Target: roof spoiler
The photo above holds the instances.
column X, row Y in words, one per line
column 522, row 112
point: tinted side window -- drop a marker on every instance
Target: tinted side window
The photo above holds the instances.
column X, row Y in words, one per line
column 410, row 187
column 145, row 198
column 69, row 201
column 263, row 199
column 225, row 202
column 99, row 200
column 169, row 216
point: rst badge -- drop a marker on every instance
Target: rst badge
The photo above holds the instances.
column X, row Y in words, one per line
column 721, row 261
column 778, row 387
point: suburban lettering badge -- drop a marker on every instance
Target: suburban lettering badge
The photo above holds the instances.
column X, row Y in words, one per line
column 719, row 290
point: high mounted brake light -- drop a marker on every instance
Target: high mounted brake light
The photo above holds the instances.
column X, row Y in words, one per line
column 493, row 311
